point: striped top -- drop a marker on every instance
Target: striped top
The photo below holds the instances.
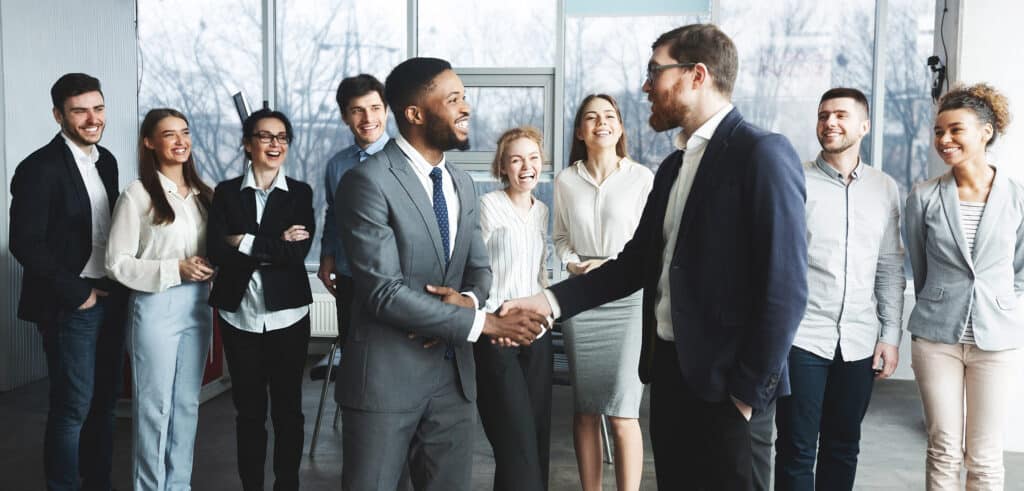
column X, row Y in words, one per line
column 970, row 217
column 517, row 245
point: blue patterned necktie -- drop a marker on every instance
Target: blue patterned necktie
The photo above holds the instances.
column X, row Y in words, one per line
column 363, row 155
column 441, row 212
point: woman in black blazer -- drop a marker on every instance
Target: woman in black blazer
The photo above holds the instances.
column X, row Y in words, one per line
column 260, row 229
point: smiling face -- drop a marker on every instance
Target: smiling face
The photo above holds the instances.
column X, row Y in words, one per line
column 170, row 141
column 82, row 118
column 521, row 165
column 960, row 136
column 366, row 116
column 446, row 113
column 842, row 123
column 269, row 155
column 599, row 126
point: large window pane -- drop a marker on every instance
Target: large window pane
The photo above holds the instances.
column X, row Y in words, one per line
column 609, row 55
column 193, row 61
column 496, row 109
column 908, row 106
column 792, row 51
column 319, row 43
column 488, row 34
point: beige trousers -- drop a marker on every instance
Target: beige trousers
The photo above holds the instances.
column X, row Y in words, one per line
column 958, row 380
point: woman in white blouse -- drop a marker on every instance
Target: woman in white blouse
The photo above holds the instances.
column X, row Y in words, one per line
column 514, row 384
column 598, row 203
column 156, row 248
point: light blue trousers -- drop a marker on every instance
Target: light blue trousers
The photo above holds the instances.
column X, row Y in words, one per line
column 169, row 335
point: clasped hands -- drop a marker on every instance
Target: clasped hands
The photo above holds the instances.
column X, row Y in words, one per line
column 514, row 325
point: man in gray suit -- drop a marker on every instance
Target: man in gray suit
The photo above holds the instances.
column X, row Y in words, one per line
column 408, row 219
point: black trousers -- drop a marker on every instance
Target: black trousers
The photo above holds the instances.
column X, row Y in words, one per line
column 698, row 445
column 514, row 399
column 272, row 360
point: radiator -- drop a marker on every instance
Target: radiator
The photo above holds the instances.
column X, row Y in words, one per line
column 323, row 316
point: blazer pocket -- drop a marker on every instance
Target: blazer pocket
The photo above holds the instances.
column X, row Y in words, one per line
column 1008, row 302
column 931, row 293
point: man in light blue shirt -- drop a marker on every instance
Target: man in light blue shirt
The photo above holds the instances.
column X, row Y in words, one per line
column 850, row 332
column 363, row 109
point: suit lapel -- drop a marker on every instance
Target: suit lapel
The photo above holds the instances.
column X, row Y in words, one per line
column 465, row 230
column 108, row 174
column 401, row 168
column 997, row 199
column 707, row 171
column 249, row 208
column 951, row 206
column 80, row 194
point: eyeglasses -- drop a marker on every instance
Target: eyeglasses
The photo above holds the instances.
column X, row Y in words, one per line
column 265, row 137
column 653, row 70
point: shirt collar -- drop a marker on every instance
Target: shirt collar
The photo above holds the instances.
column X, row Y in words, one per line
column 170, row 186
column 353, row 151
column 81, row 158
column 705, row 132
column 249, row 181
column 833, row 173
column 419, row 164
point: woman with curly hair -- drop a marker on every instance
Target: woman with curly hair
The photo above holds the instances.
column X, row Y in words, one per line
column 965, row 236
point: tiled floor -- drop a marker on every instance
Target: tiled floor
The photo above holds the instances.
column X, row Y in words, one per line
column 892, row 455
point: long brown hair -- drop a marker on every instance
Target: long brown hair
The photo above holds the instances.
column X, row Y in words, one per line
column 149, row 167
column 579, row 149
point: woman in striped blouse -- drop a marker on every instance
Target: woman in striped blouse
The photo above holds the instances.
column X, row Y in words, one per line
column 514, row 384
column 965, row 237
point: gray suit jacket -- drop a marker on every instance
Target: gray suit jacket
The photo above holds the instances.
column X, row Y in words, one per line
column 949, row 281
column 387, row 225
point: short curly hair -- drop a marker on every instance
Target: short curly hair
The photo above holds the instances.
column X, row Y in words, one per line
column 988, row 104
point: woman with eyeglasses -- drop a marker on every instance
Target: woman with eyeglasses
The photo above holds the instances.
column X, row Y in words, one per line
column 156, row 246
column 598, row 203
column 260, row 230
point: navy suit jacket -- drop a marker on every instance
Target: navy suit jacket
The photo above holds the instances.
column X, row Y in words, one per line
column 51, row 228
column 738, row 275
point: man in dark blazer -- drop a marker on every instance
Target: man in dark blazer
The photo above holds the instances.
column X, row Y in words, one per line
column 408, row 220
column 62, row 198
column 720, row 252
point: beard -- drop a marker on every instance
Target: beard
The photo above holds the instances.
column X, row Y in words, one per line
column 441, row 135
column 666, row 111
column 77, row 137
column 841, row 146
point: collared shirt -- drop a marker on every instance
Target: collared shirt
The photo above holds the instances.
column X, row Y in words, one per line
column 694, row 148
column 340, row 163
column 854, row 262
column 596, row 220
column 144, row 256
column 252, row 314
column 99, row 204
column 422, row 169
column 516, row 246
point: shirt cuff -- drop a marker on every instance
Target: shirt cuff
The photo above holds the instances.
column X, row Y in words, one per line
column 476, row 302
column 478, row 325
column 556, row 310
column 170, row 274
column 245, row 246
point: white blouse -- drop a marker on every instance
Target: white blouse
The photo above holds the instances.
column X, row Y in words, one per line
column 516, row 245
column 598, row 219
column 144, row 256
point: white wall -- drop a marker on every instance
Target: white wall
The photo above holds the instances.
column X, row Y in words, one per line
column 983, row 38
column 39, row 41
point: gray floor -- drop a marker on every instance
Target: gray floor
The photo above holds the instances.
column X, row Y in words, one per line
column 892, row 457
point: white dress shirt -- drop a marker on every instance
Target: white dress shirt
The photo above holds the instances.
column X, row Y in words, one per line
column 144, row 256
column 694, row 148
column 594, row 219
column 516, row 245
column 252, row 314
column 99, row 204
column 422, row 169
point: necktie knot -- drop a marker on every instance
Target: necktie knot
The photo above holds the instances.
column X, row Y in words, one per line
column 363, row 155
column 435, row 175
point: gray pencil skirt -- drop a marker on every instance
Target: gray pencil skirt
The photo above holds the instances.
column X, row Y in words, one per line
column 603, row 347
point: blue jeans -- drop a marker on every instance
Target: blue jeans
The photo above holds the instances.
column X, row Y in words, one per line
column 84, row 354
column 829, row 399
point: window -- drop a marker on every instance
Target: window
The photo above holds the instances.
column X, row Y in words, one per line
column 488, row 34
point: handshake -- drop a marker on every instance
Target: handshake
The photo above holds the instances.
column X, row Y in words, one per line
column 519, row 322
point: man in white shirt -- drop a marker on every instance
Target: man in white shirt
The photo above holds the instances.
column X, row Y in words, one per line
column 850, row 334
column 409, row 223
column 62, row 198
column 720, row 253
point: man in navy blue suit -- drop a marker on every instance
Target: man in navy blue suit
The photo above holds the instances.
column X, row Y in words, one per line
column 721, row 254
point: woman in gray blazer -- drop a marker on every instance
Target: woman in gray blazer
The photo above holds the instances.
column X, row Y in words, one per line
column 965, row 236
